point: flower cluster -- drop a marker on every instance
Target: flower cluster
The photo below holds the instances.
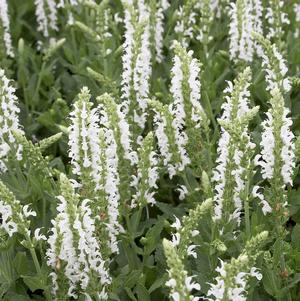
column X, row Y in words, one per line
column 101, row 154
column 235, row 149
column 137, row 67
column 5, row 27
column 46, row 14
column 83, row 135
column 274, row 66
column 233, row 276
column 179, row 282
column 246, row 16
column 74, row 253
column 147, row 174
column 14, row 216
column 171, row 140
column 277, row 158
column 158, row 28
column 186, row 22
column 186, row 231
column 208, row 10
column 276, row 18
column 9, row 121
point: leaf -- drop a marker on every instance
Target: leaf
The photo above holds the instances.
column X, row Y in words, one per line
column 130, row 294
column 142, row 293
column 153, row 238
column 133, row 278
column 21, row 263
column 271, row 282
column 158, row 283
column 34, row 282
column 296, row 237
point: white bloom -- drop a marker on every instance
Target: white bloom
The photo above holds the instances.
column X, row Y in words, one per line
column 39, row 236
column 81, row 256
column 175, row 239
column 112, row 190
column 7, row 223
column 163, row 142
column 192, row 285
column 27, row 212
column 142, row 73
column 246, row 17
column 267, row 159
column 254, row 273
column 84, row 137
column 265, row 205
column 191, row 251
column 176, row 224
column 159, row 29
column 126, row 137
column 288, row 149
column 182, row 192
column 41, row 17
column 171, row 283
column 186, row 20
column 9, row 120
column 4, row 16
column 275, row 26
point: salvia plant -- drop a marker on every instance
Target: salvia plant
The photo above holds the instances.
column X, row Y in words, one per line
column 149, row 150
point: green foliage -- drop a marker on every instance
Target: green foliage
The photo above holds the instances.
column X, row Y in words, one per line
column 49, row 74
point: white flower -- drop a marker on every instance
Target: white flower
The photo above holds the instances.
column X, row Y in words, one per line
column 41, row 17
column 287, row 155
column 141, row 75
column 254, row 273
column 191, row 251
column 246, row 16
column 265, row 205
column 6, row 215
column 9, row 120
column 163, row 142
column 192, row 285
column 112, row 190
column 176, row 224
column 171, row 283
column 39, row 236
column 175, row 296
column 182, row 192
column 275, row 28
column 81, row 255
column 27, row 212
column 175, row 239
column 126, row 137
column 288, row 149
column 4, row 16
column 52, row 7
column 159, row 30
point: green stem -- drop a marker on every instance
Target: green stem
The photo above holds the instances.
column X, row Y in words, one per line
column 210, row 111
column 37, row 88
column 246, row 205
column 247, row 218
column 37, row 266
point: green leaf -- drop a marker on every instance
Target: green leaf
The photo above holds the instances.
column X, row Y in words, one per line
column 21, row 263
column 142, row 293
column 153, row 236
column 296, row 237
column 34, row 282
column 271, row 282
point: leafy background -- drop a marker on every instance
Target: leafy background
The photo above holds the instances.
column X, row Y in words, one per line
column 46, row 88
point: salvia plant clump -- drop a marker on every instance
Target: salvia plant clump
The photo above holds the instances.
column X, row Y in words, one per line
column 149, row 150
